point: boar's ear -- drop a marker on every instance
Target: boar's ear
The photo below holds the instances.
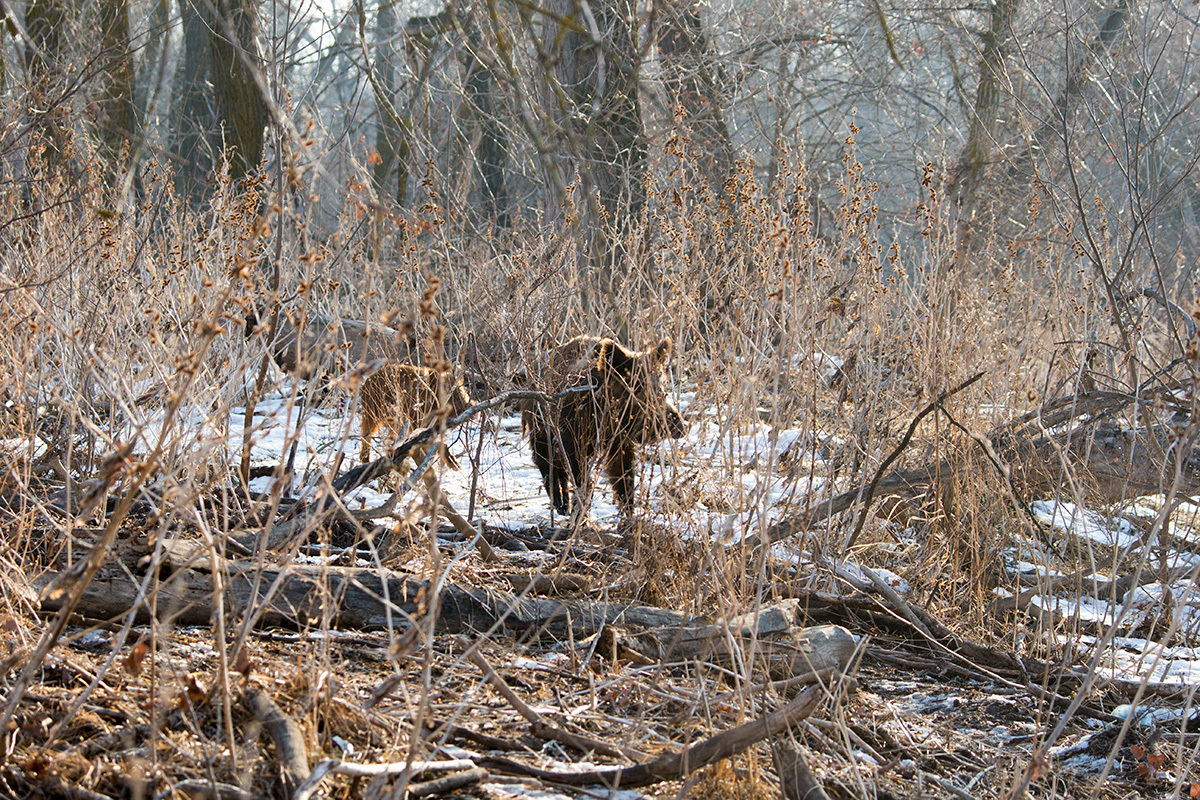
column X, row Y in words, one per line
column 612, row 356
column 663, row 351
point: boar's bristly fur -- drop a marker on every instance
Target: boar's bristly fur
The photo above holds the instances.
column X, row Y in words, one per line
column 625, row 407
column 399, row 395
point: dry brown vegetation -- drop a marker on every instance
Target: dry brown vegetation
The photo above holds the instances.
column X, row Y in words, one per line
column 158, row 623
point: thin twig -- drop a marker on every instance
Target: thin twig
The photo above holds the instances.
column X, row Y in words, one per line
column 861, row 512
column 542, row 729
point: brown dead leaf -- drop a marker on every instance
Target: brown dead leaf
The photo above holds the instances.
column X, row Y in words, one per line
column 243, row 663
column 137, row 656
column 193, row 693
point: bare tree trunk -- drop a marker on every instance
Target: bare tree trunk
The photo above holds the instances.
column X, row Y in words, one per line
column 976, row 157
column 192, row 117
column 390, row 142
column 491, row 155
column 482, row 99
column 152, row 64
column 233, row 44
column 598, row 74
column 116, row 120
column 693, row 81
column 45, row 21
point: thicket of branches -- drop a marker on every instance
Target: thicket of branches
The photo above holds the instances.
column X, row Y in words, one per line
column 840, row 212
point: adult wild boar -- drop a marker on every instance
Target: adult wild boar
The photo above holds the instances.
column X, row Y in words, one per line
column 626, row 406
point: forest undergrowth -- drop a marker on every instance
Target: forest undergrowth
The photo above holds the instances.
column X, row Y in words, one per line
column 949, row 397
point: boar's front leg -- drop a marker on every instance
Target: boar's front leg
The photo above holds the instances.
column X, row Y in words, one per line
column 620, row 467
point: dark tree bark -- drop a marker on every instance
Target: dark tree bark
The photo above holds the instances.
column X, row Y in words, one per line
column 192, row 117
column 491, row 155
column 603, row 123
column 693, row 81
column 391, row 137
column 45, row 21
column 116, row 120
column 983, row 135
column 482, row 101
column 241, row 111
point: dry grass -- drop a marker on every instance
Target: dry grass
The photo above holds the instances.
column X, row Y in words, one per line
column 123, row 325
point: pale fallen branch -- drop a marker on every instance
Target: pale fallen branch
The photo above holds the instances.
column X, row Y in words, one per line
column 335, row 766
column 455, row 780
column 196, row 789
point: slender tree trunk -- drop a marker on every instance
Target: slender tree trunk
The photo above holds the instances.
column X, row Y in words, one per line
column 491, row 155
column 152, row 64
column 603, row 124
column 387, row 132
column 45, row 21
column 116, row 120
column 693, row 82
column 977, row 156
column 193, row 118
column 241, row 111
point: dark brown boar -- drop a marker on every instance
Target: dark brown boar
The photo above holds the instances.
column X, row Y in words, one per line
column 625, row 407
column 399, row 395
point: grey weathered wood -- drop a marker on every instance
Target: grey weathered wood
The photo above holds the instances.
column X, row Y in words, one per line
column 796, row 781
column 290, row 753
column 307, row 595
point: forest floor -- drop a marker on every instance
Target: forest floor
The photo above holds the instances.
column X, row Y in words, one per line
column 931, row 704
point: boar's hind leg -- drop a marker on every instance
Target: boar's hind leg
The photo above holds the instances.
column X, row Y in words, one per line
column 554, row 474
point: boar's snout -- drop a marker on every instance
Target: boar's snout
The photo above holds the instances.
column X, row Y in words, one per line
column 676, row 427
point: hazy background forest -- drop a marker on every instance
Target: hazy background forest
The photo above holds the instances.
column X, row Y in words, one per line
column 522, row 117
column 941, row 255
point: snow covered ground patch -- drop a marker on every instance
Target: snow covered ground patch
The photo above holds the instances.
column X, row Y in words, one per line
column 719, row 482
column 1088, row 527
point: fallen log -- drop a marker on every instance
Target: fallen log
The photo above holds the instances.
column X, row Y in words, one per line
column 796, row 781
column 1108, row 463
column 290, row 753
column 310, row 595
column 335, row 766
